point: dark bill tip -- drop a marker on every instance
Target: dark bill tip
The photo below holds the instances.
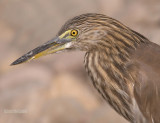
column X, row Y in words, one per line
column 31, row 53
column 19, row 60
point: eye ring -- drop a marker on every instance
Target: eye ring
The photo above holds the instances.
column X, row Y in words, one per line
column 74, row 33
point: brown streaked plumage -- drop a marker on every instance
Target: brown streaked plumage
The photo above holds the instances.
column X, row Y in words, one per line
column 124, row 65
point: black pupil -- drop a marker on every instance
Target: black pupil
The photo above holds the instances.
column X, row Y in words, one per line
column 74, row 32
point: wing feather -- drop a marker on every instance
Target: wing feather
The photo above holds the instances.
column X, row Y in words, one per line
column 147, row 86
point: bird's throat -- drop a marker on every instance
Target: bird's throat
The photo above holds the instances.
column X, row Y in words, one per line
column 107, row 76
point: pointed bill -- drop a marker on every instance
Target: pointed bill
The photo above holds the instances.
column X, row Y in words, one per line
column 49, row 47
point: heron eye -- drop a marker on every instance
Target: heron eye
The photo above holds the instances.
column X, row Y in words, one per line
column 74, row 33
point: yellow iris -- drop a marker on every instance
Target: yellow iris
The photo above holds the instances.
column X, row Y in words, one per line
column 74, row 33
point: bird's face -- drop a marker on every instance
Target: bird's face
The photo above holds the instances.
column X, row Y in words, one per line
column 80, row 33
column 62, row 42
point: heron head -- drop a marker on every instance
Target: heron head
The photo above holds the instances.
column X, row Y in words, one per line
column 82, row 32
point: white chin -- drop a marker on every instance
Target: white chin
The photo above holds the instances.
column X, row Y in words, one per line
column 68, row 45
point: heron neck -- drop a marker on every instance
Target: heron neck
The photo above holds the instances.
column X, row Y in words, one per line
column 107, row 67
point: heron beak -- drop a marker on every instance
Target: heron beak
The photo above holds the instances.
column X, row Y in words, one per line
column 52, row 46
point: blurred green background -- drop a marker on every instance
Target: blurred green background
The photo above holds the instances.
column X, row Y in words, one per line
column 56, row 88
